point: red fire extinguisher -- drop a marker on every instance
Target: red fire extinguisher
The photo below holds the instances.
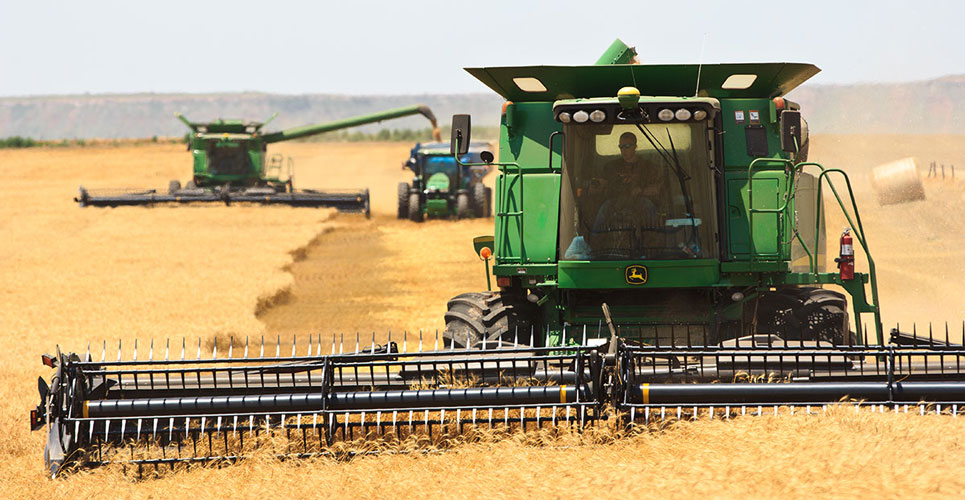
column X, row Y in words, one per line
column 846, row 259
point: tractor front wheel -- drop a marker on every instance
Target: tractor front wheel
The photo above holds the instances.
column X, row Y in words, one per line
column 484, row 320
column 479, row 201
column 462, row 206
column 415, row 208
column 489, row 202
column 403, row 200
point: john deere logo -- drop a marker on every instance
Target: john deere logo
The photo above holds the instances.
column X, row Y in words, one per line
column 636, row 275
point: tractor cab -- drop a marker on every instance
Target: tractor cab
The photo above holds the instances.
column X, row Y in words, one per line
column 436, row 169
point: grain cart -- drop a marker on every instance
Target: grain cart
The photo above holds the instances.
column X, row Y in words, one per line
column 617, row 303
column 232, row 164
column 443, row 188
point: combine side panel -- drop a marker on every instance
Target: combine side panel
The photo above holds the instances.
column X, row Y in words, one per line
column 768, row 187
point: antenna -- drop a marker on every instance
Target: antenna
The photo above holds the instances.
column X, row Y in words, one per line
column 700, row 63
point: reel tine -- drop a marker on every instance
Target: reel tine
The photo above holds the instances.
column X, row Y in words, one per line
column 87, row 356
column 294, row 341
column 261, row 353
column 199, row 347
column 420, row 340
column 135, row 351
column 372, row 351
column 118, row 349
column 278, row 345
column 358, row 341
column 309, row 352
column 584, row 335
column 214, row 350
column 231, row 345
column 104, row 352
column 167, row 348
column 246, row 347
column 184, row 346
column 150, row 353
column 333, row 344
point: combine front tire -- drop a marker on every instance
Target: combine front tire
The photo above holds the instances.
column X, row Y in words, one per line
column 472, row 317
column 174, row 186
column 462, row 206
column 403, row 200
column 415, row 208
column 479, row 201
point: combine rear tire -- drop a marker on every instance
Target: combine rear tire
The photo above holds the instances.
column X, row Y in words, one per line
column 462, row 206
column 415, row 208
column 174, row 186
column 472, row 317
column 479, row 201
column 806, row 314
column 403, row 200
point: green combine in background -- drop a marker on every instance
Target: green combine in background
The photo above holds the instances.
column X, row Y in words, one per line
column 232, row 164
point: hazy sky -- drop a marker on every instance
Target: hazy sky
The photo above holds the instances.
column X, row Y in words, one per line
column 407, row 47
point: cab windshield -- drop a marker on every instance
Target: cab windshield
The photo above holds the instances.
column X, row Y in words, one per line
column 227, row 158
column 637, row 192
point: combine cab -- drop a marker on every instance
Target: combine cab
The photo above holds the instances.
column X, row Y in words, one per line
column 442, row 187
column 656, row 255
column 231, row 164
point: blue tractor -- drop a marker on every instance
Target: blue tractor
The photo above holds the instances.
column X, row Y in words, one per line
column 441, row 188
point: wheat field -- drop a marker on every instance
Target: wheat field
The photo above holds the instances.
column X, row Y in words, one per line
column 75, row 275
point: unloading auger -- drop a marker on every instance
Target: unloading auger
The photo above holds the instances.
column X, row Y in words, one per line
column 174, row 406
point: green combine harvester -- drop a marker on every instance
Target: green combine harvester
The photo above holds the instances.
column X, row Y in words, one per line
column 232, row 164
column 658, row 254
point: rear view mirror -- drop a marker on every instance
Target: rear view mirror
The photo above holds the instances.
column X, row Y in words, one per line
column 487, row 156
column 790, row 131
column 459, row 143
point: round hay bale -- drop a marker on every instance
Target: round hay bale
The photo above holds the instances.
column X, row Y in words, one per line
column 897, row 182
